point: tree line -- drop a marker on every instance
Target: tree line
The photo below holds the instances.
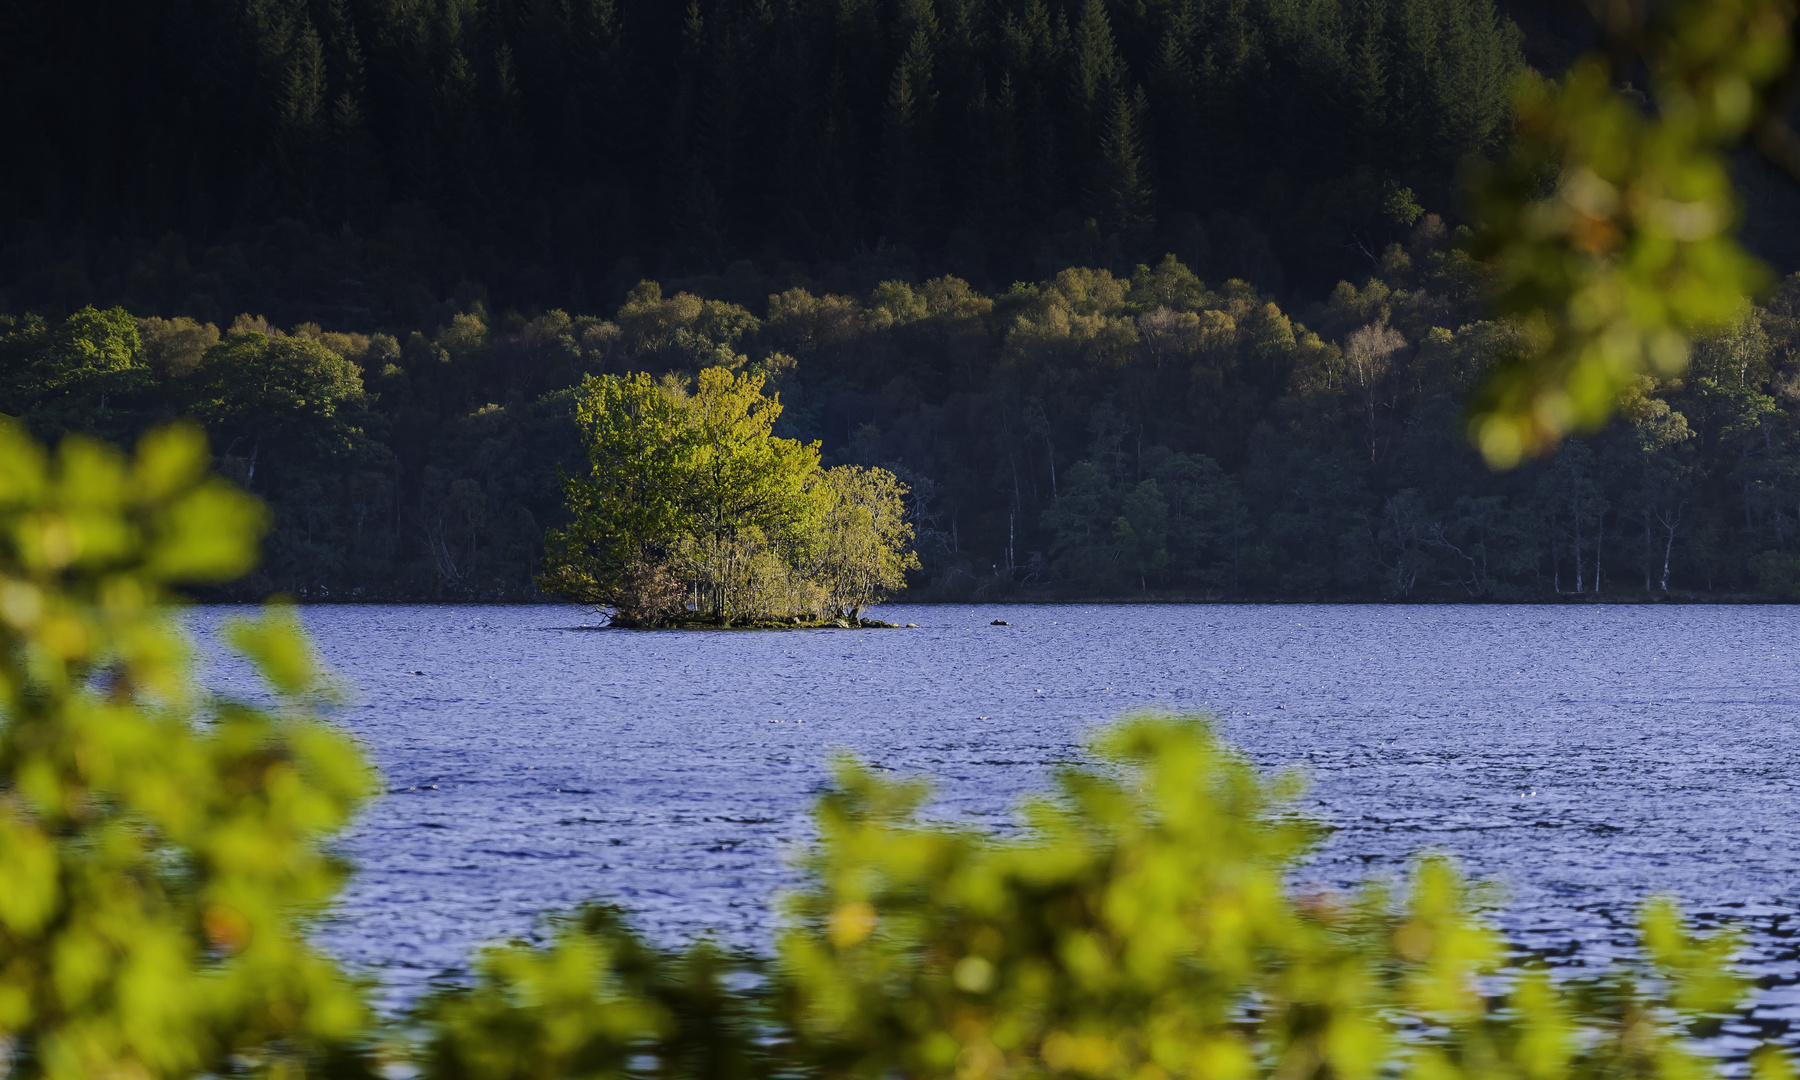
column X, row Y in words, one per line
column 1086, row 435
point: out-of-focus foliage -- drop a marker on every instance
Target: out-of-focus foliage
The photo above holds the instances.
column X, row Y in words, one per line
column 1143, row 924
column 1609, row 225
column 159, row 848
column 692, row 508
column 597, row 1002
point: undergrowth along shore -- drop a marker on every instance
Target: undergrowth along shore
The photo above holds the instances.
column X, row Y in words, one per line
column 765, row 624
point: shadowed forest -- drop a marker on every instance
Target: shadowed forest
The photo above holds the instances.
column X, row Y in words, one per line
column 1142, row 299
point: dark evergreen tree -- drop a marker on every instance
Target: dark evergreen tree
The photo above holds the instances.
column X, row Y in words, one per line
column 1122, row 198
column 908, row 128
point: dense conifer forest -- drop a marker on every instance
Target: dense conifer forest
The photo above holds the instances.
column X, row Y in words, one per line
column 352, row 161
column 1142, row 298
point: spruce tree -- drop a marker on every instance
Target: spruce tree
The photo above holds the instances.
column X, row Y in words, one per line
column 1122, row 199
column 303, row 121
column 906, row 137
column 696, row 238
column 355, row 165
column 1097, row 68
column 1176, row 112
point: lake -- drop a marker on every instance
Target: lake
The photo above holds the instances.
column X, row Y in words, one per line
column 1582, row 756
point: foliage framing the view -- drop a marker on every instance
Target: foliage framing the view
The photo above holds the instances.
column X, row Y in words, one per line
column 692, row 508
column 1632, row 250
column 1144, row 922
column 158, row 846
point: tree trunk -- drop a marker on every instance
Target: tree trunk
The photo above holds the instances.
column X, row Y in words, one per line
column 1599, row 546
column 1670, row 525
column 1581, row 578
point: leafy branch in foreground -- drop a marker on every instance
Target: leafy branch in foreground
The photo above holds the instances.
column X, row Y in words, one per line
column 1608, row 228
column 158, row 848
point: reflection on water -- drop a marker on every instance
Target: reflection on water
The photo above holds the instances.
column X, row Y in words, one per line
column 1582, row 756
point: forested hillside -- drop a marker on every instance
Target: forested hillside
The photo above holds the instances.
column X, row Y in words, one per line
column 1141, row 297
column 1085, row 435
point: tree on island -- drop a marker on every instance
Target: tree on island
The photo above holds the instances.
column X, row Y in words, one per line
column 693, row 511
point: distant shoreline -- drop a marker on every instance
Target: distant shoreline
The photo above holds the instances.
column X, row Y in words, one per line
column 1589, row 600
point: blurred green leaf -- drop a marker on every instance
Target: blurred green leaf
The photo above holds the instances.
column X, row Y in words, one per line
column 159, row 855
column 1607, row 229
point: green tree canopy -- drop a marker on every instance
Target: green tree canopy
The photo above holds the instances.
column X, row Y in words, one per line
column 254, row 386
column 860, row 548
column 85, row 372
column 691, row 504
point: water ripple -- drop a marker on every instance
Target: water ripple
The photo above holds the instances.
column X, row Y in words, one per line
column 1582, row 757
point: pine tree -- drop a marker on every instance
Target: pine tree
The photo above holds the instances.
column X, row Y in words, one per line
column 355, row 164
column 962, row 79
column 459, row 125
column 1122, row 199
column 1234, row 73
column 901, row 154
column 508, row 121
column 906, row 135
column 1097, row 66
column 1480, row 58
column 303, row 120
column 1368, row 84
column 916, row 17
column 720, row 139
column 827, row 203
column 599, row 112
column 1176, row 115
column 695, row 239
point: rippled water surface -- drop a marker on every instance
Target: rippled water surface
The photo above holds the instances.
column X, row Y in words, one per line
column 1581, row 756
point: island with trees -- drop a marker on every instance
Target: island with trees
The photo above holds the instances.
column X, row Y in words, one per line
column 693, row 513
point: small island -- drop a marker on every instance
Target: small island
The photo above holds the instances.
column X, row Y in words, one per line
column 693, row 514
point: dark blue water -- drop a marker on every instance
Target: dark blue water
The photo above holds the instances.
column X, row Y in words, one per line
column 1583, row 757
